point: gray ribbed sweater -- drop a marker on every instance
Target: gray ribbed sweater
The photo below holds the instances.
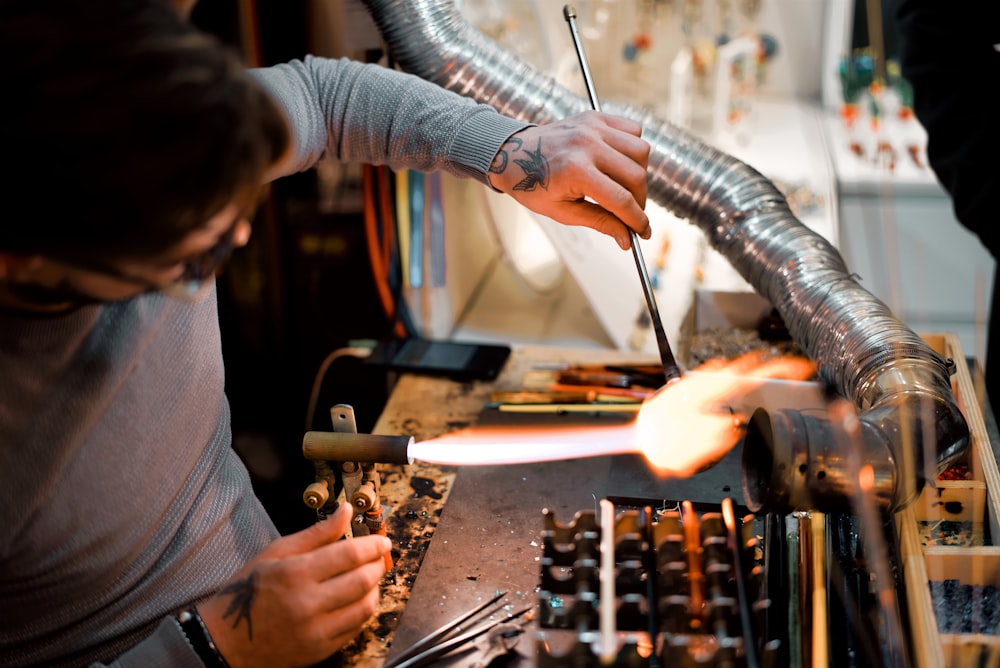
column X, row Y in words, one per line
column 121, row 500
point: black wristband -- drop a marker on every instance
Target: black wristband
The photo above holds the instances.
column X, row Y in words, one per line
column 201, row 640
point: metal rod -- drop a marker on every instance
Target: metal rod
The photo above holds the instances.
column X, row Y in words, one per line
column 750, row 632
column 670, row 368
column 569, row 12
column 652, row 593
column 607, row 603
column 431, row 638
column 432, row 654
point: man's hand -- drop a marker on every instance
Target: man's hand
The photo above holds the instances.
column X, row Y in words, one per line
column 301, row 599
column 588, row 169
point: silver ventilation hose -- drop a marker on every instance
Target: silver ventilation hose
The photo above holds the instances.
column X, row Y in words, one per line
column 911, row 426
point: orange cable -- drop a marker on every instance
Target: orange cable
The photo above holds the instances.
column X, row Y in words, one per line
column 379, row 267
column 249, row 33
column 388, row 217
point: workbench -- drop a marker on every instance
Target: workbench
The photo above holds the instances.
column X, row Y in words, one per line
column 486, row 538
column 462, row 536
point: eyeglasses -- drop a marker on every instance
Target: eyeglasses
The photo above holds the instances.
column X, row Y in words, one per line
column 193, row 281
column 199, row 268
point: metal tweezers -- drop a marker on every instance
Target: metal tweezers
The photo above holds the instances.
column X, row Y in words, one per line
column 443, row 641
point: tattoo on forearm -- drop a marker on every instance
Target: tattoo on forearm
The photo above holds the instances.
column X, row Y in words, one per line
column 239, row 607
column 536, row 170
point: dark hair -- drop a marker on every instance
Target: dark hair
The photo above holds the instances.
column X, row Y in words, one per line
column 122, row 128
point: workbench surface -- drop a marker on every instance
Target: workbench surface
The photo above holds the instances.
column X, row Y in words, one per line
column 475, row 532
column 487, row 539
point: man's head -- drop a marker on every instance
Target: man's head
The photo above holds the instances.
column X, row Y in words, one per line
column 128, row 136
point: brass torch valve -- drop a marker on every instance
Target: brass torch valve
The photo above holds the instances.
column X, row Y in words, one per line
column 344, row 459
column 317, row 494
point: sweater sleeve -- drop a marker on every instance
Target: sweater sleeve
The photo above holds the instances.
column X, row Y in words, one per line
column 166, row 647
column 949, row 58
column 370, row 113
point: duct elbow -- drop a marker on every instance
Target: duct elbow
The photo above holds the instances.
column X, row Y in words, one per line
column 910, row 402
column 793, row 461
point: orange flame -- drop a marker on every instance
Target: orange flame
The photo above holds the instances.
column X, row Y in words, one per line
column 686, row 426
column 692, row 423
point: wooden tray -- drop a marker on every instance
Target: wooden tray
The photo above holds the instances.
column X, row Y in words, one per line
column 971, row 559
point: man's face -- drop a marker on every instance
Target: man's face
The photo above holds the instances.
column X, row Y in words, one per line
column 48, row 283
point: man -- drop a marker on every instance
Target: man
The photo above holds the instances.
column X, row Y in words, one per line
column 129, row 533
column 950, row 56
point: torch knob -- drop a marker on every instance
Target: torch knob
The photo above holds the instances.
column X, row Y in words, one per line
column 365, row 498
column 316, row 495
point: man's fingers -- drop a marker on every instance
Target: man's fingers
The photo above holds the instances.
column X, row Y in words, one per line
column 625, row 138
column 619, row 122
column 635, row 147
column 621, row 204
column 348, row 588
column 618, row 201
column 612, row 172
column 328, row 531
column 342, row 625
column 623, row 161
column 329, row 561
column 581, row 213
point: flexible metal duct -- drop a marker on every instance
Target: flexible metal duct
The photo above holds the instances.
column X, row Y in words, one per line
column 912, row 428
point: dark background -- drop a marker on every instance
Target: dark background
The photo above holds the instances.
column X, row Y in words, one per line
column 302, row 289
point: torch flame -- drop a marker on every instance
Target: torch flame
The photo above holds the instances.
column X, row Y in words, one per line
column 686, row 426
column 692, row 423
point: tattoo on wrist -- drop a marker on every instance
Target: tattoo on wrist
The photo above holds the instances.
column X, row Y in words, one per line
column 536, row 170
column 500, row 162
column 535, row 166
column 242, row 593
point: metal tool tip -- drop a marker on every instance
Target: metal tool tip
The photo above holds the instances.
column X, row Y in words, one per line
column 569, row 12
